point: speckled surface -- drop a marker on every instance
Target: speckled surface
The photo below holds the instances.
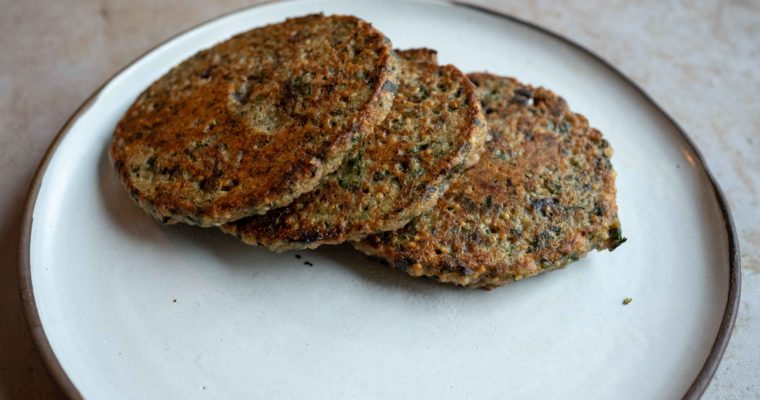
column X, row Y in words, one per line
column 698, row 60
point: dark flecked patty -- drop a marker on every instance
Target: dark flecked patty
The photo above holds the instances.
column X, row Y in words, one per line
column 434, row 131
column 542, row 195
column 255, row 121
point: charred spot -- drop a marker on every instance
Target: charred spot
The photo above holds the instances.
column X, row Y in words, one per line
column 542, row 241
column 542, row 205
column 205, row 74
column 385, row 238
column 171, row 171
column 150, row 163
column 516, row 232
column 600, row 210
column 377, row 176
column 476, row 237
column 369, row 40
column 207, row 184
column 256, row 78
column 309, row 236
column 404, row 263
column 465, row 270
column 329, row 88
column 616, row 238
column 229, row 185
column 165, row 220
column 615, row 244
column 521, row 96
column 320, row 153
column 371, row 80
column 467, row 203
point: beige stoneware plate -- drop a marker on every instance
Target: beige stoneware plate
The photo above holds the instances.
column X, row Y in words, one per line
column 122, row 308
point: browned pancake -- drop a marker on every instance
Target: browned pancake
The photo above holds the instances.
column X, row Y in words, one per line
column 435, row 130
column 541, row 196
column 257, row 120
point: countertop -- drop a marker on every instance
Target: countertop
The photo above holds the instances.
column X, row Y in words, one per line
column 699, row 60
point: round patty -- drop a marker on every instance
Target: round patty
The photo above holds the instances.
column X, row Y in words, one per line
column 434, row 131
column 542, row 195
column 255, row 121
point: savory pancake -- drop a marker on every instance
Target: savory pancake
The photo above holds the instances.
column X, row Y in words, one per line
column 435, row 130
column 255, row 121
column 541, row 196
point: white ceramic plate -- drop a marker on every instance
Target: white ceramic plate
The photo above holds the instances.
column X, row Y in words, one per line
column 124, row 308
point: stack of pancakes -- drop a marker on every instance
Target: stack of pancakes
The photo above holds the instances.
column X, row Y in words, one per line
column 316, row 131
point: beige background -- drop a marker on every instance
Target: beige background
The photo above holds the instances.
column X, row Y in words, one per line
column 699, row 59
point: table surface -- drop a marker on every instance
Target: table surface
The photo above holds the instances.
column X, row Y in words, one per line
column 698, row 61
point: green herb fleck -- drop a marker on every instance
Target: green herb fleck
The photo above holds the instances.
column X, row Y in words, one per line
column 300, row 86
column 627, row 301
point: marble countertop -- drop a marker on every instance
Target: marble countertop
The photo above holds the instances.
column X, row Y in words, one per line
column 699, row 61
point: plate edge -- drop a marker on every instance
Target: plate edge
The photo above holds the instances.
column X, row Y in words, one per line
column 26, row 289
column 55, row 369
column 705, row 375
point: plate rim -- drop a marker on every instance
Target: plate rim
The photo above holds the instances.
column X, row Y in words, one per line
column 54, row 368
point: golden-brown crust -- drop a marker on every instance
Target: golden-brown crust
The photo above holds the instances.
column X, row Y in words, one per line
column 434, row 131
column 542, row 195
column 255, row 121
